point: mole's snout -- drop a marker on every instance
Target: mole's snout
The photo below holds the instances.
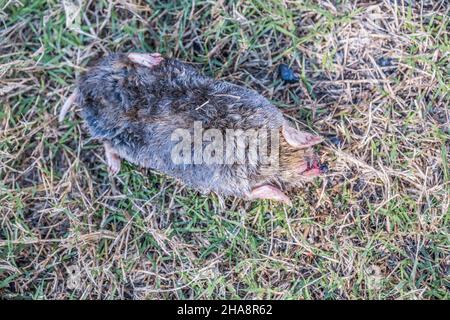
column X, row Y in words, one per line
column 313, row 164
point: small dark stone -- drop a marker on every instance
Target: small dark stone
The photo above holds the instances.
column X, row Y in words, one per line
column 336, row 141
column 385, row 62
column 197, row 47
column 286, row 74
column 359, row 186
column 323, row 168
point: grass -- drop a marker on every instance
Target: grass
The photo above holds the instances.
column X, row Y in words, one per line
column 374, row 82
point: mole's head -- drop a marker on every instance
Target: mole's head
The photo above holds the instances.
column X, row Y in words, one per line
column 297, row 163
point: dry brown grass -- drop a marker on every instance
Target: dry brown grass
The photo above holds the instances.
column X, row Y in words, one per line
column 375, row 82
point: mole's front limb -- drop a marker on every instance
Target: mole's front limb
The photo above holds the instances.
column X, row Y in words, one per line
column 300, row 139
column 270, row 193
column 112, row 158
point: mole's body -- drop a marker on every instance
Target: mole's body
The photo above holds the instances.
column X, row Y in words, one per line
column 135, row 102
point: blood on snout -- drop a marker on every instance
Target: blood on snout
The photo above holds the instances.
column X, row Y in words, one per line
column 311, row 168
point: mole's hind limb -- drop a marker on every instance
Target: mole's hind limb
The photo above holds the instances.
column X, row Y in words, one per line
column 112, row 158
column 270, row 193
column 146, row 59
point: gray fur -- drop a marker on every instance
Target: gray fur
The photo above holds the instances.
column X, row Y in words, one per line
column 136, row 109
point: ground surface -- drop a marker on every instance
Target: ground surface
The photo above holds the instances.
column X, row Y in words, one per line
column 374, row 81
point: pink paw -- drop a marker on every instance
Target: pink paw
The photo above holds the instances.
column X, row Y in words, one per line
column 114, row 165
column 148, row 60
column 300, row 139
column 112, row 159
column 270, row 193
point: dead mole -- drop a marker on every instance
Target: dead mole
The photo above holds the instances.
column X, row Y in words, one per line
column 137, row 103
